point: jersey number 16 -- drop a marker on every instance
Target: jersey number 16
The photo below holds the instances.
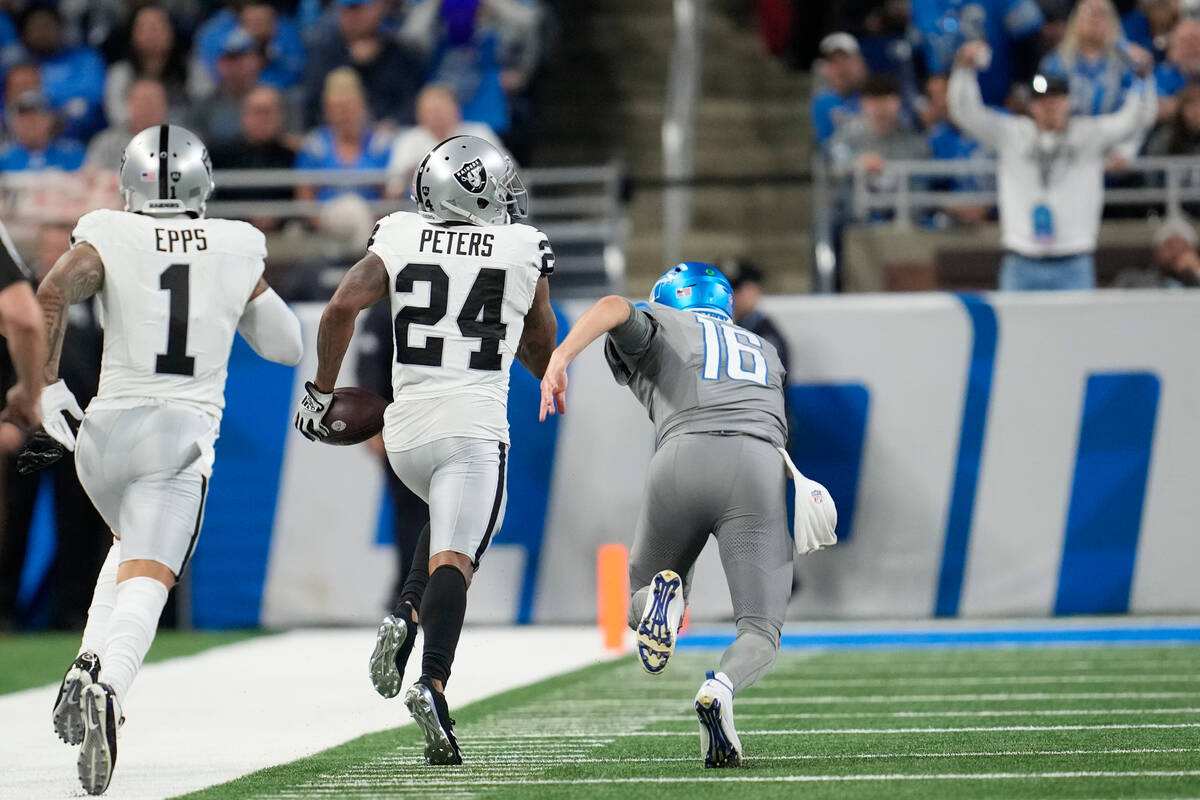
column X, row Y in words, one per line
column 739, row 346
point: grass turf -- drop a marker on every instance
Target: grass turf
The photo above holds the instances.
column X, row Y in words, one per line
column 1006, row 723
column 35, row 659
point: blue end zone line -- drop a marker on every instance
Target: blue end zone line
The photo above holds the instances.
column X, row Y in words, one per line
column 964, row 638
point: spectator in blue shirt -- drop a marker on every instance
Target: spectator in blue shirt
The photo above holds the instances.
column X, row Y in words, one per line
column 1182, row 66
column 1150, row 24
column 218, row 117
column 891, row 43
column 34, row 146
column 1088, row 58
column 391, row 74
column 1003, row 24
column 948, row 143
column 277, row 36
column 72, row 77
column 347, row 140
column 843, row 70
column 472, row 46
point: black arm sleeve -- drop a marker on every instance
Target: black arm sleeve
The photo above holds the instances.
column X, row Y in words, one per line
column 12, row 269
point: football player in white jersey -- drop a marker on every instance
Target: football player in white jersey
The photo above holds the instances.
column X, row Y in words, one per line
column 173, row 288
column 469, row 291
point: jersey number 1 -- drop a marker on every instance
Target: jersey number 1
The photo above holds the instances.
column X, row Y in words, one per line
column 174, row 281
column 478, row 319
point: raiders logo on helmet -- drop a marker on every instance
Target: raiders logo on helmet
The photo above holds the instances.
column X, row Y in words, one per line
column 472, row 176
column 175, row 176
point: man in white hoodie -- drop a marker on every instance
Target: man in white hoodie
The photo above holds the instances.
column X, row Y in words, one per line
column 1050, row 172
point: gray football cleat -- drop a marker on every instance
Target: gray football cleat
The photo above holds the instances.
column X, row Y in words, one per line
column 428, row 708
column 66, row 716
column 98, row 755
column 393, row 644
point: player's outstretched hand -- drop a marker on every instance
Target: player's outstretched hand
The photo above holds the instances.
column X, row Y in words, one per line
column 313, row 405
column 554, row 389
column 61, row 414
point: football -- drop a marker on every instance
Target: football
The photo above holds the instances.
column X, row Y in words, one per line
column 354, row 416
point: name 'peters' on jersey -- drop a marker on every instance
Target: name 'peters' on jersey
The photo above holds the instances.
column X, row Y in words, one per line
column 459, row 296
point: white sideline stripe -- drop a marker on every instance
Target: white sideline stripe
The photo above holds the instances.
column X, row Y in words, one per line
column 900, row 776
column 858, row 756
column 887, row 731
column 209, row 718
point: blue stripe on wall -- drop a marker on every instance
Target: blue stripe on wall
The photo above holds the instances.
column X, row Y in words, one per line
column 970, row 452
column 828, row 431
column 530, row 470
column 43, row 542
column 230, row 565
column 1116, row 435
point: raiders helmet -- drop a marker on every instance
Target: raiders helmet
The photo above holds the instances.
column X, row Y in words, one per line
column 166, row 170
column 466, row 179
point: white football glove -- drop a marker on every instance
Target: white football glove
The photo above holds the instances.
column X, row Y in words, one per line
column 816, row 517
column 313, row 406
column 58, row 401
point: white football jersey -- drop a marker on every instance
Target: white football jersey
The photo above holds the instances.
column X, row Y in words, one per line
column 459, row 296
column 174, row 291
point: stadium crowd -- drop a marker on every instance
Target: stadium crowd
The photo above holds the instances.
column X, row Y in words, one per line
column 266, row 83
column 882, row 95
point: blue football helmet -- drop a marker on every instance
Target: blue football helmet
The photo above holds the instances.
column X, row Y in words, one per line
column 695, row 286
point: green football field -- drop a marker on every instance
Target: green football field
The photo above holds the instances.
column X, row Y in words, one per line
column 1068, row 722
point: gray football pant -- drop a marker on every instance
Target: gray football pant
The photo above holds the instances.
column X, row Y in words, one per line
column 732, row 487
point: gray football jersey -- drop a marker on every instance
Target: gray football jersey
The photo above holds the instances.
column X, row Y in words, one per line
column 695, row 373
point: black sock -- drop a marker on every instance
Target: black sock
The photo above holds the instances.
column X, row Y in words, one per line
column 418, row 575
column 442, row 613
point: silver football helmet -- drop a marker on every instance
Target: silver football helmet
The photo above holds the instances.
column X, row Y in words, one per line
column 466, row 179
column 166, row 170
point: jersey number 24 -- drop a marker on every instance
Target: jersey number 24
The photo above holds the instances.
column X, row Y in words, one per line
column 479, row 317
column 739, row 347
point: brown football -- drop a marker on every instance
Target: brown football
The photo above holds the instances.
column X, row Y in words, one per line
column 354, row 416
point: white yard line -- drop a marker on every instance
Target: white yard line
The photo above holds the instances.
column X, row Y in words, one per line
column 983, row 712
column 900, row 776
column 855, row 731
column 523, row 757
column 776, row 699
column 205, row 719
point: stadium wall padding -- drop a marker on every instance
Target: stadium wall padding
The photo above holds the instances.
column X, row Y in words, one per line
column 990, row 455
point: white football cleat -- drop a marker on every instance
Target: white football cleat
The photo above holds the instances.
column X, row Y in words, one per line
column 659, row 628
column 67, row 717
column 98, row 753
column 719, row 743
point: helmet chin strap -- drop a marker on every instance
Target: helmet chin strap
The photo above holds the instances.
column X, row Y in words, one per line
column 446, row 204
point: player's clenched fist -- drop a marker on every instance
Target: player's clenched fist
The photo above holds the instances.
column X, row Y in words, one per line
column 313, row 405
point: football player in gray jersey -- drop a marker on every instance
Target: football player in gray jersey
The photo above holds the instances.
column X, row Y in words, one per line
column 715, row 394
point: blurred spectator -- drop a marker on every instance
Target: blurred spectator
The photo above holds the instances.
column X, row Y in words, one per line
column 747, row 283
column 890, row 43
column 276, row 37
column 34, row 144
column 153, row 51
column 1009, row 27
column 1050, row 173
column 1089, row 60
column 948, row 143
column 843, row 71
column 438, row 118
column 391, row 74
column 1182, row 65
column 17, row 81
column 1180, row 135
column 1173, row 259
column 145, row 106
column 346, row 141
column 476, row 47
column 1150, row 24
column 878, row 133
column 218, row 117
column 72, row 77
column 82, row 537
column 262, row 144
